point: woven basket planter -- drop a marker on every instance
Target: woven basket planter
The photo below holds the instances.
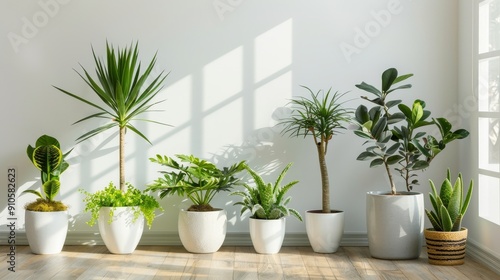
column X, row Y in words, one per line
column 446, row 248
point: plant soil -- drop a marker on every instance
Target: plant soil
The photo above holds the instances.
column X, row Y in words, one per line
column 201, row 208
column 42, row 205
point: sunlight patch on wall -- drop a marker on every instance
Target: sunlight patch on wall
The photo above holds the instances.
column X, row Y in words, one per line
column 271, row 96
column 489, row 198
column 273, row 50
column 222, row 79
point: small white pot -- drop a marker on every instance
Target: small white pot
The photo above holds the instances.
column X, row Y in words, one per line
column 46, row 231
column 395, row 224
column 122, row 235
column 267, row 235
column 325, row 230
column 202, row 232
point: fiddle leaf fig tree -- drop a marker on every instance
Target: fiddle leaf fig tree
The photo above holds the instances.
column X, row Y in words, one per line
column 320, row 116
column 408, row 147
column 124, row 92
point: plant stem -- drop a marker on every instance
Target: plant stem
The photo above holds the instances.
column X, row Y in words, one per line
column 122, row 158
column 325, row 184
column 391, row 181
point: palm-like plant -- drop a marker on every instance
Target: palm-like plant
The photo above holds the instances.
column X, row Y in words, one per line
column 199, row 180
column 267, row 201
column 321, row 116
column 124, row 92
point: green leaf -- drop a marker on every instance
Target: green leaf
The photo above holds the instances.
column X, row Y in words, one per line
column 51, row 188
column 446, row 220
column 446, row 192
column 366, row 155
column 33, row 192
column 369, row 88
column 376, row 162
column 388, row 78
column 361, row 114
column 467, row 198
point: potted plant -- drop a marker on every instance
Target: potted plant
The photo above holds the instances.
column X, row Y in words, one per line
column 125, row 95
column 410, row 148
column 202, row 228
column 447, row 238
column 268, row 207
column 321, row 117
column 46, row 218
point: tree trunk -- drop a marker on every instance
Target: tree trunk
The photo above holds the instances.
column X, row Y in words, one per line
column 122, row 159
column 391, row 181
column 325, row 182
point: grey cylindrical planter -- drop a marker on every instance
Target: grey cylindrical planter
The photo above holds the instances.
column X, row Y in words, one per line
column 395, row 224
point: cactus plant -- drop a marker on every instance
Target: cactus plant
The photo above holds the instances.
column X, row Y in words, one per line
column 450, row 205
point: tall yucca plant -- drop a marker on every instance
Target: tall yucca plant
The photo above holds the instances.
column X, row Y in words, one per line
column 124, row 92
column 320, row 116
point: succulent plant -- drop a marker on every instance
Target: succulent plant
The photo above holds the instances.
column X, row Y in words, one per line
column 450, row 205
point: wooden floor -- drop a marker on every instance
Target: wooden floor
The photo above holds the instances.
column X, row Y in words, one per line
column 173, row 262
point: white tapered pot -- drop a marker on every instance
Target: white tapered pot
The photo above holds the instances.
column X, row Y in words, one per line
column 267, row 235
column 395, row 224
column 202, row 232
column 123, row 234
column 46, row 231
column 324, row 230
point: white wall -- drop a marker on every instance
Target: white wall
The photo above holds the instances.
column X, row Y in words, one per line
column 233, row 65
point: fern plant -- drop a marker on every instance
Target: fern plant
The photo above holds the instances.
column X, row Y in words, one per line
column 48, row 158
column 449, row 205
column 266, row 200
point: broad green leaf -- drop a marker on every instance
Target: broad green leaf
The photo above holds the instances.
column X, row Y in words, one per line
column 388, row 78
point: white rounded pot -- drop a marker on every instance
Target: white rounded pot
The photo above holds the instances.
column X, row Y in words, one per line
column 46, row 231
column 202, row 232
column 395, row 224
column 122, row 235
column 267, row 235
column 324, row 230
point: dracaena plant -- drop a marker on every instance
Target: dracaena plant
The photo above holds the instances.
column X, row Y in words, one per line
column 395, row 133
column 321, row 116
column 125, row 94
column 197, row 179
column 48, row 158
column 449, row 205
column 267, row 200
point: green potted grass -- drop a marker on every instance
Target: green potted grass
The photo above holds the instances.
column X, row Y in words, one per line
column 320, row 117
column 125, row 95
column 397, row 138
column 46, row 219
column 446, row 240
column 202, row 228
column 269, row 208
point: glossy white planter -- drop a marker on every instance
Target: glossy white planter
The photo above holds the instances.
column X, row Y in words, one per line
column 122, row 235
column 267, row 235
column 202, row 232
column 395, row 224
column 46, row 231
column 325, row 230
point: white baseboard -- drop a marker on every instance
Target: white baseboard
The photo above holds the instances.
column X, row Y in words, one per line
column 483, row 256
column 172, row 239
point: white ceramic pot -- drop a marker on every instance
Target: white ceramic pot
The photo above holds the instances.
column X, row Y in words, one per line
column 202, row 232
column 325, row 230
column 395, row 224
column 46, row 231
column 267, row 235
column 122, row 235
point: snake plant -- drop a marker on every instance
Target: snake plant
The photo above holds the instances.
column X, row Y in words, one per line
column 449, row 205
column 266, row 200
